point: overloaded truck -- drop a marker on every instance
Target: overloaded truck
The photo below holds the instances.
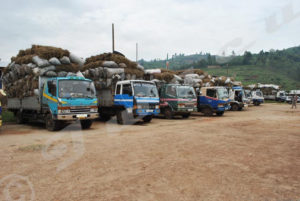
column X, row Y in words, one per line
column 129, row 100
column 57, row 102
column 237, row 97
column 177, row 99
column 213, row 100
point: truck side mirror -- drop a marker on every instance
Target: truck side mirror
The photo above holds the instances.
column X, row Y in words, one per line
column 36, row 92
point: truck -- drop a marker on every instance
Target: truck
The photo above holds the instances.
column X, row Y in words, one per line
column 213, row 100
column 257, row 97
column 129, row 100
column 281, row 96
column 57, row 102
column 177, row 99
column 291, row 94
column 237, row 97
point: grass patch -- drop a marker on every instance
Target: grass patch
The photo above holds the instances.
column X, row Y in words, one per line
column 8, row 116
column 34, row 147
column 273, row 101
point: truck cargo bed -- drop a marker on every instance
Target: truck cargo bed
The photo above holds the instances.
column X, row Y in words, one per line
column 27, row 103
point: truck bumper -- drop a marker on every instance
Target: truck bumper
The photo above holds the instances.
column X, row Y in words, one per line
column 220, row 109
column 146, row 112
column 68, row 117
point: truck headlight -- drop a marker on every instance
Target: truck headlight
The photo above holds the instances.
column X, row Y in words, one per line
column 94, row 109
column 156, row 106
column 181, row 105
column 220, row 105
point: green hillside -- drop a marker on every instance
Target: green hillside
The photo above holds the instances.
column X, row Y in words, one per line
column 281, row 67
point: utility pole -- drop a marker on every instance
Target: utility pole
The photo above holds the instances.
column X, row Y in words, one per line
column 113, row 38
column 167, row 62
column 137, row 52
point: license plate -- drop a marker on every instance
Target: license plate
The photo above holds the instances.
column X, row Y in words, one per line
column 80, row 116
column 149, row 110
column 190, row 110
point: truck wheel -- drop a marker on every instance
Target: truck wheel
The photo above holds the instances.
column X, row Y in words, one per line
column 147, row 118
column 240, row 108
column 168, row 113
column 19, row 117
column 86, row 124
column 122, row 117
column 207, row 111
column 185, row 116
column 51, row 124
column 234, row 107
column 220, row 113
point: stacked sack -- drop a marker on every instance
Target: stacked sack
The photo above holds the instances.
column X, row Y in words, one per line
column 163, row 75
column 21, row 76
column 105, row 69
column 192, row 77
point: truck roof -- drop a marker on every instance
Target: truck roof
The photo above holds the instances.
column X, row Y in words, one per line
column 69, row 78
column 215, row 87
column 129, row 81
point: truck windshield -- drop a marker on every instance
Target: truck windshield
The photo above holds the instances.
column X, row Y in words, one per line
column 222, row 93
column 143, row 89
column 185, row 92
column 258, row 93
column 76, row 89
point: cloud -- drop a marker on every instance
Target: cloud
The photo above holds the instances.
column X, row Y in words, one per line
column 160, row 27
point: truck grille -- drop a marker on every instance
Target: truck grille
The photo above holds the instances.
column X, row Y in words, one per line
column 80, row 109
column 148, row 105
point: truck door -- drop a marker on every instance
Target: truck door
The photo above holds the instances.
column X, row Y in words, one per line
column 124, row 95
column 50, row 96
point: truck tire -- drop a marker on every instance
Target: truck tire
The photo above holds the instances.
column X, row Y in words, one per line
column 19, row 117
column 185, row 116
column 235, row 107
column 220, row 113
column 168, row 113
column 207, row 111
column 122, row 117
column 51, row 124
column 86, row 124
column 147, row 119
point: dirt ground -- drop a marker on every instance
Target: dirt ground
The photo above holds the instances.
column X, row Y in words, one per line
column 247, row 155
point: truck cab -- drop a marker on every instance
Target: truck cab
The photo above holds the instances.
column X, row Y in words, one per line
column 281, row 96
column 257, row 97
column 57, row 102
column 213, row 100
column 237, row 97
column 135, row 99
column 176, row 99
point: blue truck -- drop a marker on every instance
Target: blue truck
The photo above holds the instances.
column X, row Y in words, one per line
column 129, row 100
column 57, row 102
column 213, row 100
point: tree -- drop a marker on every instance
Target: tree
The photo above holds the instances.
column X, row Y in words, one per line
column 247, row 58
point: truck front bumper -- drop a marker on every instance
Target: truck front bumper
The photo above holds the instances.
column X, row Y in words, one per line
column 145, row 112
column 68, row 117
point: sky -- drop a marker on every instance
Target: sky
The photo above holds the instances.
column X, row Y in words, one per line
column 160, row 27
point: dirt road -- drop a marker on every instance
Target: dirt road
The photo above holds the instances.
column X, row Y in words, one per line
column 248, row 155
